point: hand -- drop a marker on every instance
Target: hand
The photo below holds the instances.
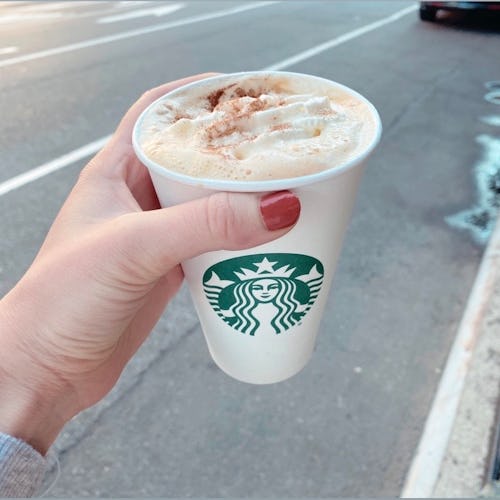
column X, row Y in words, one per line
column 107, row 269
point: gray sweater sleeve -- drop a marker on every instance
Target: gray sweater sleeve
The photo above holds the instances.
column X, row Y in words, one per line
column 22, row 469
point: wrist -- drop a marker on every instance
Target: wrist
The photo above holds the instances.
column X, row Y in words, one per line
column 35, row 404
column 27, row 414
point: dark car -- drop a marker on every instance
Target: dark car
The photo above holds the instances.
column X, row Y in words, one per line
column 429, row 10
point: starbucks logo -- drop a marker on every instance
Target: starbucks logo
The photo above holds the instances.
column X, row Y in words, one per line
column 265, row 293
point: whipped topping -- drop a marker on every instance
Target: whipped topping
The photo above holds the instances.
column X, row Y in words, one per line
column 256, row 128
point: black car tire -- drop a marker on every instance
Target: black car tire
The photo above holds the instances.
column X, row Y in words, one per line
column 428, row 13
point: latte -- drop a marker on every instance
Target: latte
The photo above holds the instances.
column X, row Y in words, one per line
column 256, row 127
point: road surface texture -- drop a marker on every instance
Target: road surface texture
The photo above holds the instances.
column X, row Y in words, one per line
column 349, row 423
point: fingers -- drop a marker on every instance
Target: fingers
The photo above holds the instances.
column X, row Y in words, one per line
column 156, row 241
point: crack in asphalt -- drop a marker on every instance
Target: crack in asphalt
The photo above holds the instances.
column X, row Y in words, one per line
column 430, row 88
column 88, row 428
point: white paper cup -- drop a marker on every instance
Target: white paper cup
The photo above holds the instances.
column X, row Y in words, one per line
column 260, row 309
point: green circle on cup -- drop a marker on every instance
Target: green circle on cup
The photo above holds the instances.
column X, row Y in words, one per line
column 263, row 293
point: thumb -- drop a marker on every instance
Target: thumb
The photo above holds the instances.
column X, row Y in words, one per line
column 158, row 240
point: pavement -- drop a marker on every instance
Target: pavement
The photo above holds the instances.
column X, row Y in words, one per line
column 354, row 422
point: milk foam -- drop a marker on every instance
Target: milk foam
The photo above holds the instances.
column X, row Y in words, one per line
column 256, row 128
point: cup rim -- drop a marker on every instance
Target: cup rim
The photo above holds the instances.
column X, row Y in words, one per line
column 258, row 185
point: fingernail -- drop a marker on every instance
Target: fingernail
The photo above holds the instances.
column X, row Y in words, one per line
column 279, row 210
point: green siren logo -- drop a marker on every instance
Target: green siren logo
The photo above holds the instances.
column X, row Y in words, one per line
column 265, row 293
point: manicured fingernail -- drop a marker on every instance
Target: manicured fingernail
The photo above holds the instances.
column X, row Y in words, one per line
column 279, row 210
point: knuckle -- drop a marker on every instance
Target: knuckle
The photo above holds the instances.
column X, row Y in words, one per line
column 88, row 171
column 222, row 219
column 146, row 94
column 135, row 257
column 94, row 167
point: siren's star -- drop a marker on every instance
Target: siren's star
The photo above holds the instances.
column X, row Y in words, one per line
column 215, row 281
column 265, row 265
column 313, row 274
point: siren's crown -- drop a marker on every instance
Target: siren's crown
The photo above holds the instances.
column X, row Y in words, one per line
column 265, row 269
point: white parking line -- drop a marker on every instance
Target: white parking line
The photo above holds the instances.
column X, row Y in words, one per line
column 8, row 50
column 37, row 16
column 133, row 33
column 52, row 166
column 44, row 6
column 151, row 11
column 93, row 147
column 44, row 12
column 335, row 42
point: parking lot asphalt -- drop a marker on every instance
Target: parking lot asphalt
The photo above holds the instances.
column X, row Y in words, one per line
column 349, row 423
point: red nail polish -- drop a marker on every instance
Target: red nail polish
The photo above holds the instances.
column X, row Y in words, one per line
column 279, row 210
